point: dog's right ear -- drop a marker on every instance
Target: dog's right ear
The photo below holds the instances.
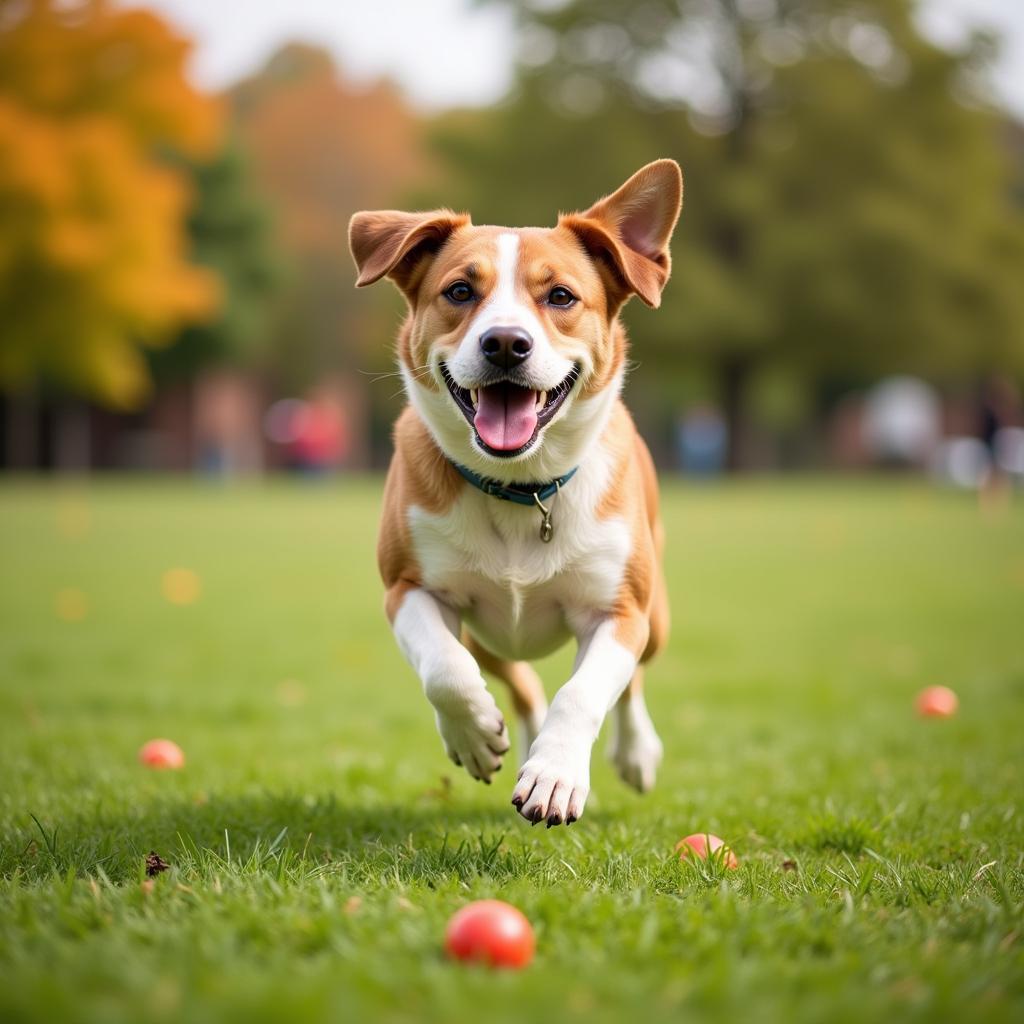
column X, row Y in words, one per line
column 389, row 243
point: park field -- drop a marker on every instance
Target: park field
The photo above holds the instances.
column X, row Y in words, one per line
column 318, row 840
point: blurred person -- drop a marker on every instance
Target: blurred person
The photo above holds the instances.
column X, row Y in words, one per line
column 227, row 424
column 702, row 440
column 999, row 415
column 321, row 435
column 902, row 417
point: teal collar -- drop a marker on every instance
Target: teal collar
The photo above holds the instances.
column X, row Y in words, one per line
column 521, row 494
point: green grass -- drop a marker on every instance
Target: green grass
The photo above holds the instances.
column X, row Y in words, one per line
column 317, row 846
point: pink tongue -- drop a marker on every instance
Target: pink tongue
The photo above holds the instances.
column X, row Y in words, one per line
column 506, row 416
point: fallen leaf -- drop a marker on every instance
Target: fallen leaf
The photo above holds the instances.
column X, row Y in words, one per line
column 155, row 864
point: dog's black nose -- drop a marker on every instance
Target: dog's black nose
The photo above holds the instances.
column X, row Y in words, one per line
column 506, row 346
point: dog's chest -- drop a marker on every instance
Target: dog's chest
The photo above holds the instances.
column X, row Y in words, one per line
column 519, row 596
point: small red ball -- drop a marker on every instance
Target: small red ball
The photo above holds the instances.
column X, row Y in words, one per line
column 697, row 845
column 490, row 932
column 162, row 754
column 937, row 702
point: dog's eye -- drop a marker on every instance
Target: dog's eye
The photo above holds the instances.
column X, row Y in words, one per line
column 459, row 292
column 560, row 296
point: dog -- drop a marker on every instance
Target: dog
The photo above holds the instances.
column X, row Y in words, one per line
column 521, row 505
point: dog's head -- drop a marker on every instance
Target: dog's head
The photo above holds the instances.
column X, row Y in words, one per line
column 512, row 350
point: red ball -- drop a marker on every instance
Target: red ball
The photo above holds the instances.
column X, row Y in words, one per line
column 162, row 754
column 937, row 702
column 698, row 844
column 490, row 932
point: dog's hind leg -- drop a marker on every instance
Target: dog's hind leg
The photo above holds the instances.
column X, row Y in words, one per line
column 525, row 687
column 635, row 748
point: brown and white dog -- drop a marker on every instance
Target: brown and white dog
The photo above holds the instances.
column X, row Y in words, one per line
column 521, row 506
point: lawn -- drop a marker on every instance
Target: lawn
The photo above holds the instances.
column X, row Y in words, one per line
column 319, row 840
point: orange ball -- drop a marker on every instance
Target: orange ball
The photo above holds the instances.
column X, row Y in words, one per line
column 181, row 586
column 937, row 702
column 162, row 754
column 698, row 845
column 490, row 932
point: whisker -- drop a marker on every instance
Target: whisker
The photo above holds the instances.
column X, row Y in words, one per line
column 416, row 371
column 402, row 390
column 425, row 371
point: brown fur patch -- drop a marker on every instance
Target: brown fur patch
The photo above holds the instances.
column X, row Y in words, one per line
column 641, row 610
column 419, row 475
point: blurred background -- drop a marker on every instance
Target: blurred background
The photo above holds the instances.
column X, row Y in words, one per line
column 176, row 293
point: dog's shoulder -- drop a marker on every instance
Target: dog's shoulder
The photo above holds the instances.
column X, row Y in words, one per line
column 419, row 475
column 631, row 497
column 632, row 488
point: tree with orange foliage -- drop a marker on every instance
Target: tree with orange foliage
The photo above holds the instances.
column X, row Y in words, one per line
column 93, row 243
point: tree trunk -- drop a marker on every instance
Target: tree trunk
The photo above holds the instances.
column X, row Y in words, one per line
column 734, row 374
column 733, row 241
column 72, row 449
column 22, row 452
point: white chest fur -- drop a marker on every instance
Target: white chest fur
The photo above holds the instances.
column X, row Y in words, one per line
column 520, row 597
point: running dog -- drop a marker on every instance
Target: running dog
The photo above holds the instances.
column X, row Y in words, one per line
column 521, row 506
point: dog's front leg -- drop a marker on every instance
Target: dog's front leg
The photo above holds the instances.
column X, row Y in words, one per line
column 468, row 719
column 555, row 780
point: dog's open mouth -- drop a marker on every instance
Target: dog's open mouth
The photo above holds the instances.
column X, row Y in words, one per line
column 506, row 416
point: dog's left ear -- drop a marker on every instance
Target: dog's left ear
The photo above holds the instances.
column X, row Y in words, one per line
column 630, row 229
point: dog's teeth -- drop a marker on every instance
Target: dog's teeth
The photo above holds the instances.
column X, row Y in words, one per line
column 473, row 396
column 542, row 398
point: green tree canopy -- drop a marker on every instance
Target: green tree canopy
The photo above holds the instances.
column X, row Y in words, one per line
column 232, row 233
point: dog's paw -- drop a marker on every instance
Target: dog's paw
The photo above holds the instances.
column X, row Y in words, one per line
column 636, row 754
column 475, row 735
column 635, row 749
column 553, row 786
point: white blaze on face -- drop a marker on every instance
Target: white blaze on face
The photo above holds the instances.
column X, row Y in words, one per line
column 506, row 307
column 503, row 308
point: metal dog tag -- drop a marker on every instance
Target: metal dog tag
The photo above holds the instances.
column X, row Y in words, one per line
column 546, row 529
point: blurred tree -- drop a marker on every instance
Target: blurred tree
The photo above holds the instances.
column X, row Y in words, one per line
column 322, row 149
column 848, row 203
column 93, row 251
column 232, row 233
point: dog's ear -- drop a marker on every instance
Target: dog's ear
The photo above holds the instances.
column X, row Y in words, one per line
column 630, row 229
column 389, row 243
